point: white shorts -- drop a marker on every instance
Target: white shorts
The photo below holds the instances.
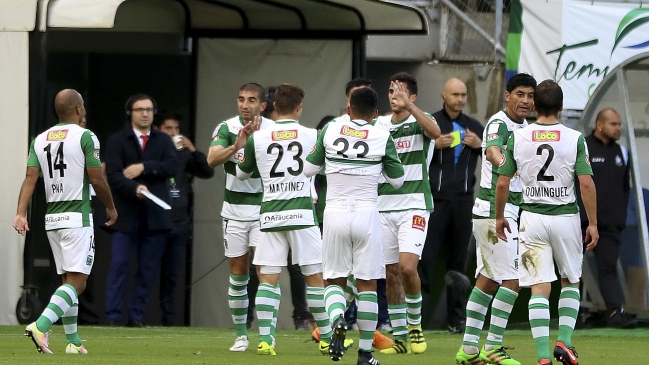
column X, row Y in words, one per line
column 352, row 241
column 73, row 249
column 403, row 231
column 239, row 237
column 497, row 260
column 544, row 237
column 305, row 245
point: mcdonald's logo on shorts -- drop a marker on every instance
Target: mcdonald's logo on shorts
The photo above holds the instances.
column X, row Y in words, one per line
column 418, row 222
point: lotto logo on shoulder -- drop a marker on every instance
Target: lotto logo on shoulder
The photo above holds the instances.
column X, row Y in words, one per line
column 57, row 135
column 546, row 136
column 418, row 222
column 356, row 133
column 284, row 135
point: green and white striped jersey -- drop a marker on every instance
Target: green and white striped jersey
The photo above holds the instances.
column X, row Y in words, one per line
column 62, row 153
column 355, row 155
column 415, row 151
column 277, row 155
column 547, row 157
column 242, row 199
column 496, row 132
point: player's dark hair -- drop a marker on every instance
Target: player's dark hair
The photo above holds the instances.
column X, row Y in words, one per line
column 256, row 88
column 358, row 82
column 521, row 79
column 324, row 121
column 410, row 81
column 270, row 98
column 287, row 98
column 548, row 98
column 363, row 103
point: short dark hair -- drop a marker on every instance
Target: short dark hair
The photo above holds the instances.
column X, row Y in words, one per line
column 160, row 119
column 521, row 79
column 270, row 98
column 548, row 98
column 324, row 121
column 410, row 81
column 363, row 102
column 357, row 83
column 137, row 97
column 254, row 87
column 288, row 97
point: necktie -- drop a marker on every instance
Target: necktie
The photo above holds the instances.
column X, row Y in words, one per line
column 144, row 139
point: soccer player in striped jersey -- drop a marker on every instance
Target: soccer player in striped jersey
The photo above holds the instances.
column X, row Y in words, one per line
column 288, row 219
column 548, row 156
column 68, row 157
column 405, row 211
column 354, row 154
column 241, row 200
column 497, row 271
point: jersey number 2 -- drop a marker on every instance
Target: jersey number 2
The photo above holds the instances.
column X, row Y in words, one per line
column 59, row 164
column 280, row 153
column 539, row 151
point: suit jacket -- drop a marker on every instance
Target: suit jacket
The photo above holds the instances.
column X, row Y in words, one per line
column 160, row 164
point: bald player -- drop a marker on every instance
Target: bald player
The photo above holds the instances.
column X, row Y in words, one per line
column 68, row 157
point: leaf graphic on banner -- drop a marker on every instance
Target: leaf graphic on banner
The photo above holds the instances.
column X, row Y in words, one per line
column 628, row 24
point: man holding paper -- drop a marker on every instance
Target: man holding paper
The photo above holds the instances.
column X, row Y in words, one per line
column 452, row 180
column 139, row 162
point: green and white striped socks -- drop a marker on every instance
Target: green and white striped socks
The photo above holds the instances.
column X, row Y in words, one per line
column 351, row 292
column 334, row 302
column 397, row 313
column 501, row 308
column 265, row 304
column 476, row 311
column 316, row 302
column 539, row 307
column 413, row 303
column 238, row 302
column 568, row 312
column 69, row 320
column 367, row 317
column 60, row 302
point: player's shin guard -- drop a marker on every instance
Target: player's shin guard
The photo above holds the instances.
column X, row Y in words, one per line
column 367, row 318
column 539, row 308
column 238, row 302
column 60, row 302
column 568, row 312
column 501, row 308
column 315, row 300
column 334, row 302
column 69, row 320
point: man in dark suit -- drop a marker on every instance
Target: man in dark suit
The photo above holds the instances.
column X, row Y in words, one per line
column 191, row 163
column 138, row 160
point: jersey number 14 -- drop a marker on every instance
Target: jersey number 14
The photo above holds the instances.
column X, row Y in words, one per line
column 59, row 164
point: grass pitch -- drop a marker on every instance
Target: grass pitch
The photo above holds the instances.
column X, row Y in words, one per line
column 182, row 345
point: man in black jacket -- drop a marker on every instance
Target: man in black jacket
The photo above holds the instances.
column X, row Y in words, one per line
column 611, row 174
column 452, row 178
column 191, row 163
column 138, row 160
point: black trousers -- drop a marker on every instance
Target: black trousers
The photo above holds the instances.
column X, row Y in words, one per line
column 449, row 231
column 607, row 253
column 173, row 261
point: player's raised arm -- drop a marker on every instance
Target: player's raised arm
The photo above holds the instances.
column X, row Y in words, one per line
column 392, row 168
column 246, row 166
column 314, row 163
